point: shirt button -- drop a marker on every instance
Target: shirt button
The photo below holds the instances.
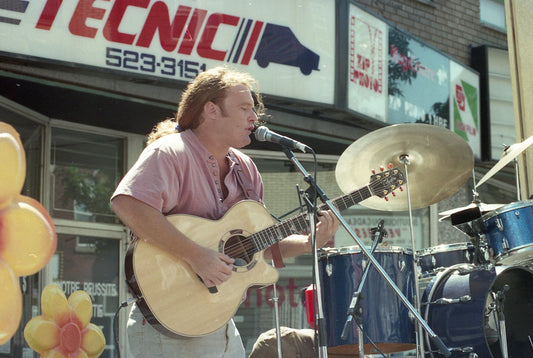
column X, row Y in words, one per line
column 213, row 165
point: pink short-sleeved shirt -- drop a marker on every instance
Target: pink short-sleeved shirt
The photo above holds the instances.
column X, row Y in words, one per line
column 177, row 175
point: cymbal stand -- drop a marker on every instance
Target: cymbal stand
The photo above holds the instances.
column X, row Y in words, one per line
column 309, row 179
column 404, row 158
column 517, row 178
column 355, row 310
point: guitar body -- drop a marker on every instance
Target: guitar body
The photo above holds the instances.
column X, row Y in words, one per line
column 172, row 297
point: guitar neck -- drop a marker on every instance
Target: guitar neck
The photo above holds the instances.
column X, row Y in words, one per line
column 299, row 223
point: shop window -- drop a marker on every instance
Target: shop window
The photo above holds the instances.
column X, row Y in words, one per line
column 492, row 14
column 85, row 169
column 90, row 264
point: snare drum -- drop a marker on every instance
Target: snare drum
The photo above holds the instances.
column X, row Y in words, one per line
column 459, row 305
column 509, row 232
column 437, row 258
column 385, row 318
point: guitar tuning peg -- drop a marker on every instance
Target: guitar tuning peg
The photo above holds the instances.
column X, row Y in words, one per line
column 390, row 166
column 386, row 198
column 401, row 188
column 394, row 194
column 373, row 171
column 381, row 168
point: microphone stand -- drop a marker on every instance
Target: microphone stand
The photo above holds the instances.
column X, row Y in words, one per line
column 309, row 179
column 355, row 309
column 275, row 299
column 320, row 321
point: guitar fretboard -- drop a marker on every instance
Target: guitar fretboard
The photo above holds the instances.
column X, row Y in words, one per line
column 299, row 223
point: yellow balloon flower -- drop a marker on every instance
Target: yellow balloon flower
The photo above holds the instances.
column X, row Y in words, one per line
column 27, row 235
column 64, row 329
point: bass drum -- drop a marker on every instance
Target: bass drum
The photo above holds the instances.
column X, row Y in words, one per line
column 385, row 318
column 460, row 307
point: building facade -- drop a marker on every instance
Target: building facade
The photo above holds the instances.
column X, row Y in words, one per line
column 83, row 82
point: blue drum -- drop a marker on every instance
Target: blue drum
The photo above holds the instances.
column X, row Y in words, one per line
column 509, row 232
column 385, row 318
column 461, row 308
column 437, row 258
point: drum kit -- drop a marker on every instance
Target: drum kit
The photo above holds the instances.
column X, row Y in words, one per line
column 474, row 297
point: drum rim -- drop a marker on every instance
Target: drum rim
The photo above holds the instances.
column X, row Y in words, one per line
column 508, row 207
column 346, row 250
column 512, row 252
column 442, row 247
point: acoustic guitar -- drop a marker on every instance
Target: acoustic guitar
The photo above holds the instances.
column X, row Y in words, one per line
column 170, row 294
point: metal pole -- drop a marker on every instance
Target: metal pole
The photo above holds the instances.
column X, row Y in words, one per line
column 275, row 299
column 419, row 333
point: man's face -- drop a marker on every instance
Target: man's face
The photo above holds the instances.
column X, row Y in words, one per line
column 237, row 117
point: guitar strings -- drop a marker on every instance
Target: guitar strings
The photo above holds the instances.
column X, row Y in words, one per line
column 267, row 237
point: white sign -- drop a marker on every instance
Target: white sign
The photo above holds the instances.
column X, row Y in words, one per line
column 290, row 51
column 464, row 106
column 367, row 64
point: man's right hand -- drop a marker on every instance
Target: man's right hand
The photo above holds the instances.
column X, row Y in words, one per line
column 212, row 267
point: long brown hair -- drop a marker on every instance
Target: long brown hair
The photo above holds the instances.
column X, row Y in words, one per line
column 208, row 86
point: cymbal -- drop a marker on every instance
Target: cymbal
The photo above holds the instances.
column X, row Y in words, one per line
column 508, row 155
column 439, row 163
column 483, row 208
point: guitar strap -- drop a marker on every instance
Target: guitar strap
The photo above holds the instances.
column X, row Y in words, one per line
column 250, row 193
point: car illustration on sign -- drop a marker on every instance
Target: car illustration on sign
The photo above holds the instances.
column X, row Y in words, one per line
column 279, row 45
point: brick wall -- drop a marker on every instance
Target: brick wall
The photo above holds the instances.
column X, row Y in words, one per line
column 451, row 26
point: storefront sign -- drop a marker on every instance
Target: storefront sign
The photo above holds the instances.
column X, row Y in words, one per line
column 464, row 106
column 367, row 59
column 419, row 82
column 394, row 78
column 290, row 52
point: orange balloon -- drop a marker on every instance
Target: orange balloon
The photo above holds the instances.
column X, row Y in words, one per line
column 13, row 163
column 10, row 303
column 28, row 236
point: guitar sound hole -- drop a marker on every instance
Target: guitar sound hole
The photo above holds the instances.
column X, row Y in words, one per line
column 240, row 249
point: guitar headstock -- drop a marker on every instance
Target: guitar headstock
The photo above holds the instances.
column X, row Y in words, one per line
column 385, row 182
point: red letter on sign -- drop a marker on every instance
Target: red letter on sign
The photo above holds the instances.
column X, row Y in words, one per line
column 83, row 11
column 193, row 29
column 49, row 14
column 112, row 24
column 169, row 34
column 204, row 46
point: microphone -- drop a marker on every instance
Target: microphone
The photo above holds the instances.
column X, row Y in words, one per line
column 263, row 134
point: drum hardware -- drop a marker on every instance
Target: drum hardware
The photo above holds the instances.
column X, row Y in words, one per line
column 499, row 299
column 447, row 301
column 355, row 310
column 470, row 222
column 437, row 156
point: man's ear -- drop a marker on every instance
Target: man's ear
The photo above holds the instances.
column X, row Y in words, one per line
column 210, row 109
